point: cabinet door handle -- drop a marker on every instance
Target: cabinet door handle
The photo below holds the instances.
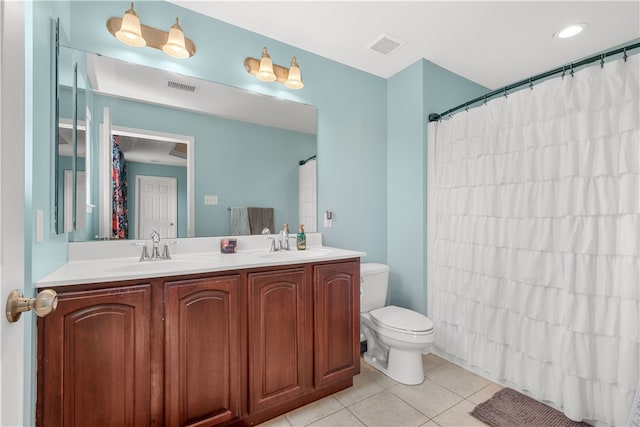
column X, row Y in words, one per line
column 43, row 304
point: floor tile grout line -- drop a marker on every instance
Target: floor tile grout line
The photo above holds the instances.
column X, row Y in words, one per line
column 325, row 416
column 357, row 417
column 456, row 393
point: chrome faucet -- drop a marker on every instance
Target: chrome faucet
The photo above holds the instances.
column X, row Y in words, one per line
column 155, row 238
column 284, row 238
column 155, row 248
column 272, row 247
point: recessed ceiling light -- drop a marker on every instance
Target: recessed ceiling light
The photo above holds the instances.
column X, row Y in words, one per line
column 570, row 31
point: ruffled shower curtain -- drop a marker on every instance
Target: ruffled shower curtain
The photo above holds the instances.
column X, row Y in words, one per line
column 534, row 272
column 120, row 211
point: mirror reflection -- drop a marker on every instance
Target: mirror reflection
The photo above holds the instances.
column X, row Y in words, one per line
column 181, row 155
column 70, row 182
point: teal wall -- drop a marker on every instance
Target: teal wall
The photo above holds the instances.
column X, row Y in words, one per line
column 149, row 169
column 413, row 94
column 242, row 163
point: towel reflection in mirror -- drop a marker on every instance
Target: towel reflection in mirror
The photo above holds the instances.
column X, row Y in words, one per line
column 250, row 220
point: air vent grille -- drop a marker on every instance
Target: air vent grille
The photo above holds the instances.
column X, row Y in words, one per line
column 181, row 86
column 386, row 43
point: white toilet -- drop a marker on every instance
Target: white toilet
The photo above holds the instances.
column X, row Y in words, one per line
column 396, row 337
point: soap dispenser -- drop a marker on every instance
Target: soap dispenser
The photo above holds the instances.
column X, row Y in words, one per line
column 301, row 239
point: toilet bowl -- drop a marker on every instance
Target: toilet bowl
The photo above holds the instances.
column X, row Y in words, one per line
column 396, row 337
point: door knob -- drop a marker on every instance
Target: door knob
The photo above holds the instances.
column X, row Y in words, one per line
column 43, row 304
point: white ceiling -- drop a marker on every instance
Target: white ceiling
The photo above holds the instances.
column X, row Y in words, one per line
column 491, row 43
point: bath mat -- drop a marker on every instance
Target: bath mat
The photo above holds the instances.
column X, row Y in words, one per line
column 509, row 408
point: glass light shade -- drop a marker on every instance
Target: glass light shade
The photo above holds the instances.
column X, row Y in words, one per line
column 175, row 42
column 130, row 32
column 265, row 72
column 294, row 81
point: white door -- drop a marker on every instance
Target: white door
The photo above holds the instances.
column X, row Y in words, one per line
column 12, row 205
column 156, row 206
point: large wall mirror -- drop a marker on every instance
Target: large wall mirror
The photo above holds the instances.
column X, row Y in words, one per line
column 182, row 155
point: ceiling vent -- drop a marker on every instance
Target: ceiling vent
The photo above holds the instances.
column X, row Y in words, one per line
column 181, row 86
column 386, row 43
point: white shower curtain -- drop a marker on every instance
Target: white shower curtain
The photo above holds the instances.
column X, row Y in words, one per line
column 534, row 272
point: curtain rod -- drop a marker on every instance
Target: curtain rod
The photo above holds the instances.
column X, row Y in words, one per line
column 570, row 68
column 302, row 162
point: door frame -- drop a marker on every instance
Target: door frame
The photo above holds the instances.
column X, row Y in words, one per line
column 106, row 190
column 15, row 406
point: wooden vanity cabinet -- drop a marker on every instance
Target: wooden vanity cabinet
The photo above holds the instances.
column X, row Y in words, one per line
column 277, row 335
column 202, row 351
column 336, row 304
column 227, row 348
column 94, row 359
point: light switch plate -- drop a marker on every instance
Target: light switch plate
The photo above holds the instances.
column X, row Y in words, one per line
column 210, row 200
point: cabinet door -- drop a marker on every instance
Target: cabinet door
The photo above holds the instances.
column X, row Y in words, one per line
column 337, row 322
column 277, row 335
column 202, row 351
column 94, row 359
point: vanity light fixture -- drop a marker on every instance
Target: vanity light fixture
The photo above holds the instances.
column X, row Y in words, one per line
column 175, row 42
column 266, row 71
column 129, row 31
column 294, row 81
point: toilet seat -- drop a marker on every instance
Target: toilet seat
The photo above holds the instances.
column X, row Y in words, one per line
column 401, row 320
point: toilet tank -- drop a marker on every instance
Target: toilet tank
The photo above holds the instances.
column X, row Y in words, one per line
column 374, row 279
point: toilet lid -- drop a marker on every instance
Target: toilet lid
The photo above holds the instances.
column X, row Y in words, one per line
column 401, row 319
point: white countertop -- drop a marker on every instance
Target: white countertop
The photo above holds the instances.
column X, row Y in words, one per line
column 95, row 270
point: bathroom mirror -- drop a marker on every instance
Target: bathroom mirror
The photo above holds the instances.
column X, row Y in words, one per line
column 70, row 148
column 232, row 148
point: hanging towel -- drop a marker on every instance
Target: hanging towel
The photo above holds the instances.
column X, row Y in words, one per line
column 239, row 221
column 259, row 218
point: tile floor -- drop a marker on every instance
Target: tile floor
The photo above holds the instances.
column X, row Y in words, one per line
column 445, row 399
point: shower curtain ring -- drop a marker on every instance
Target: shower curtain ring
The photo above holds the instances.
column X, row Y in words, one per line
column 624, row 56
column 602, row 61
column 485, row 100
column 466, row 107
column 530, row 83
column 571, row 70
column 506, row 95
column 563, row 72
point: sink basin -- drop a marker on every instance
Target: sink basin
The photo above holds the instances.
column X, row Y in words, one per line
column 296, row 254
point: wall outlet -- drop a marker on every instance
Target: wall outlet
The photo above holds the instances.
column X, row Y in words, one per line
column 210, row 200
